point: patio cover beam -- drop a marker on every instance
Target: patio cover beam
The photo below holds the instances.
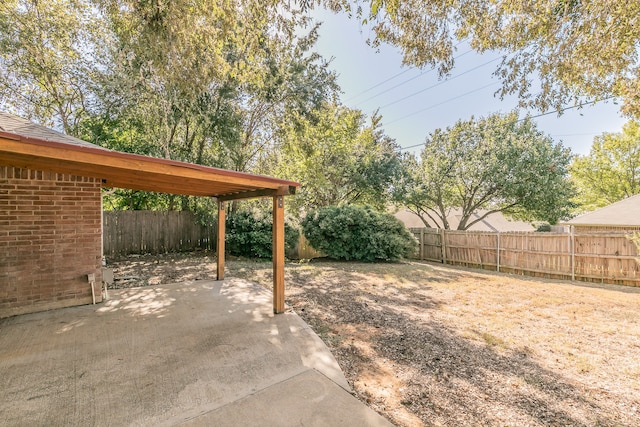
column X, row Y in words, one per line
column 284, row 190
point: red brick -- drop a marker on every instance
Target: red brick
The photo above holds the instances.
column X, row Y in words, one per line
column 50, row 238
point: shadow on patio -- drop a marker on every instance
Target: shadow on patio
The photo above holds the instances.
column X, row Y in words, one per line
column 198, row 353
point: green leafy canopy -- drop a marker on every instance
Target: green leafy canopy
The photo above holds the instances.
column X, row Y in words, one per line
column 358, row 233
column 611, row 170
column 496, row 164
column 555, row 53
column 338, row 158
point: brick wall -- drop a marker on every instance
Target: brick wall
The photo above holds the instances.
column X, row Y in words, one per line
column 50, row 239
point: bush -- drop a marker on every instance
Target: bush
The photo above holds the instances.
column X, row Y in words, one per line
column 544, row 228
column 358, row 233
column 249, row 234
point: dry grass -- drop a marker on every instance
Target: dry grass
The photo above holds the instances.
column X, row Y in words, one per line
column 425, row 344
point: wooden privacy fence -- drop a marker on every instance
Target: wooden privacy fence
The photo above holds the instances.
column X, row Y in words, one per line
column 303, row 250
column 594, row 257
column 137, row 232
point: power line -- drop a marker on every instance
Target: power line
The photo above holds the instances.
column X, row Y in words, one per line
column 406, row 81
column 401, row 73
column 393, row 87
column 378, row 84
column 529, row 117
column 440, row 83
column 562, row 110
column 577, row 134
column 443, row 102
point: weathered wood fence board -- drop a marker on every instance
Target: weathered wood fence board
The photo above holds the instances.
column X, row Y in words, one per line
column 594, row 257
column 137, row 232
column 303, row 250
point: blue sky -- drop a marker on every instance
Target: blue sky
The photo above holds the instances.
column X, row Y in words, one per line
column 412, row 110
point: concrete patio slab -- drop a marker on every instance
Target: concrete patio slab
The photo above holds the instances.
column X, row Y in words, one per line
column 195, row 353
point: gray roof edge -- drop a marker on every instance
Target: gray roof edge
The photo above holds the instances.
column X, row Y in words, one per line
column 584, row 224
column 607, row 211
column 16, row 125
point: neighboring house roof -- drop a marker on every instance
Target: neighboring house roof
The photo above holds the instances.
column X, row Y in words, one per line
column 27, row 145
column 493, row 222
column 625, row 212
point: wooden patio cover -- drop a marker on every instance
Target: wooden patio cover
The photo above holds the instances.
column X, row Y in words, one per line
column 33, row 147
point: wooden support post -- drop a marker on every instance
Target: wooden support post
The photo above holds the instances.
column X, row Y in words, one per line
column 278, row 254
column 220, row 241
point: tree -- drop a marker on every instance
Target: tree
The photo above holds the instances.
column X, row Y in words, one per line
column 578, row 50
column 359, row 233
column 497, row 164
column 205, row 82
column 218, row 81
column 611, row 170
column 211, row 80
column 292, row 84
column 338, row 159
column 49, row 60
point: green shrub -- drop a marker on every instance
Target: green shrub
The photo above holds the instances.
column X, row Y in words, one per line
column 544, row 228
column 358, row 233
column 249, row 234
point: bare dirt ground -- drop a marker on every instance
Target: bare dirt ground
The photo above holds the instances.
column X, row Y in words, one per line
column 424, row 344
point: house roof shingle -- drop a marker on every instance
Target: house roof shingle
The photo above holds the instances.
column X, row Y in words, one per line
column 19, row 126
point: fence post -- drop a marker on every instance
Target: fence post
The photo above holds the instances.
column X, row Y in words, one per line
column 422, row 244
column 498, row 253
column 572, row 248
column 443, row 246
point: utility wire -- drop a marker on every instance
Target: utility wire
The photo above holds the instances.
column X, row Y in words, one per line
column 577, row 134
column 443, row 102
column 401, row 73
column 529, row 117
column 378, row 84
column 406, row 81
column 393, row 87
column 440, row 83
